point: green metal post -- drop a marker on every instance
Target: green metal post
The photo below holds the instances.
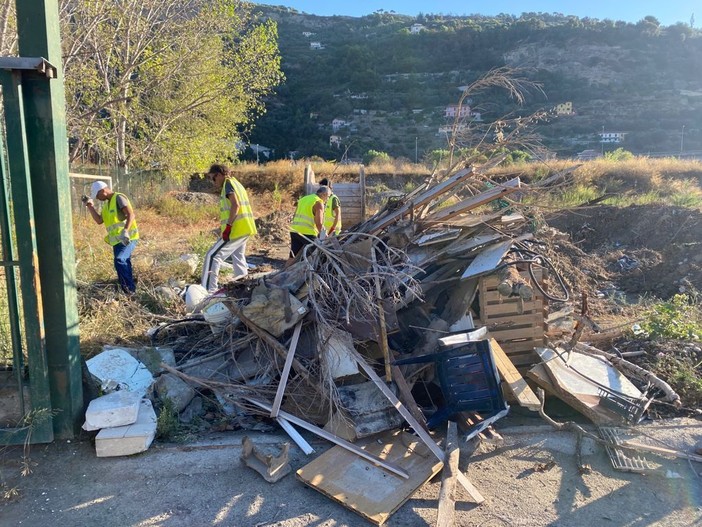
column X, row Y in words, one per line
column 18, row 158
column 8, row 256
column 45, row 114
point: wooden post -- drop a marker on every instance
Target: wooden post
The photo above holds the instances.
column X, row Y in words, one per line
column 447, row 500
column 382, row 330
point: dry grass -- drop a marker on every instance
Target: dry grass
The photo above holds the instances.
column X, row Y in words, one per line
column 636, row 181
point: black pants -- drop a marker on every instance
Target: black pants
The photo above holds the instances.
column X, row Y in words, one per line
column 297, row 242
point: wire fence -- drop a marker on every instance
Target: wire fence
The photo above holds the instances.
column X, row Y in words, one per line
column 142, row 187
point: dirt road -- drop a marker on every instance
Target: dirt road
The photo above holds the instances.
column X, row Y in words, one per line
column 531, row 480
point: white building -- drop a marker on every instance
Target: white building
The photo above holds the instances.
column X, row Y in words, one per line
column 316, row 45
column 611, row 137
column 416, row 29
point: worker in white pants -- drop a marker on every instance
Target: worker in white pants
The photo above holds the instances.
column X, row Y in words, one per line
column 236, row 227
column 220, row 251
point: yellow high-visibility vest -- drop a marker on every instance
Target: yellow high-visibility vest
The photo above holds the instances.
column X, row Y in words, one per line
column 329, row 214
column 303, row 221
column 244, row 224
column 115, row 226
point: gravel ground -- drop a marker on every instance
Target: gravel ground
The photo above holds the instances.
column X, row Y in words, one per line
column 530, row 480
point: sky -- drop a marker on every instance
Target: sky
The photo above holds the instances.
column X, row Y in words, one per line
column 667, row 13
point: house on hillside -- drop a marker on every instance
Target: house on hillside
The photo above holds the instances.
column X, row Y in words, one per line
column 339, row 123
column 416, row 29
column 307, row 34
column 453, row 110
column 612, row 137
column 335, row 140
column 448, row 129
column 316, row 45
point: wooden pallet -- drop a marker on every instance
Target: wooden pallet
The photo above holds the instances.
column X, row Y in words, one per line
column 517, row 325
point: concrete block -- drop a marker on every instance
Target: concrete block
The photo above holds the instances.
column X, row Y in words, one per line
column 114, row 409
column 116, row 367
column 176, row 389
column 130, row 439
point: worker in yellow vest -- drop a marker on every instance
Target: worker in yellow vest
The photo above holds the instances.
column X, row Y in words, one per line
column 237, row 225
column 122, row 231
column 308, row 222
column 332, row 210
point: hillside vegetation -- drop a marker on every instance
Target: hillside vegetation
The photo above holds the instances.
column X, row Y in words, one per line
column 391, row 87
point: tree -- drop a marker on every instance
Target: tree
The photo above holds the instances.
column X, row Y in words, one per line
column 167, row 83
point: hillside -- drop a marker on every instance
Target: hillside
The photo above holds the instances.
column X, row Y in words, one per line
column 391, row 87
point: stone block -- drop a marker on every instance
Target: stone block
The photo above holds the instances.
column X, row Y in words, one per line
column 114, row 409
column 176, row 389
column 130, row 439
column 117, row 368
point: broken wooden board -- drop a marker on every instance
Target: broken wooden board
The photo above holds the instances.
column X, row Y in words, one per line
column 473, row 202
column 447, row 499
column 367, row 490
column 582, row 394
column 513, row 382
column 487, row 260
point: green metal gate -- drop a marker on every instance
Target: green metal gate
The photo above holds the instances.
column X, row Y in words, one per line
column 29, row 371
column 43, row 367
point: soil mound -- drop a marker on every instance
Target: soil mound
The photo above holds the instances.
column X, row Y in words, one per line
column 195, row 198
column 275, row 227
column 642, row 249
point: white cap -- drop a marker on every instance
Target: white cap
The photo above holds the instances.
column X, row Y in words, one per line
column 97, row 187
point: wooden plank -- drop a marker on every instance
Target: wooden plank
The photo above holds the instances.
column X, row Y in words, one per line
column 491, row 282
column 513, row 381
column 334, row 439
column 447, row 501
column 473, row 202
column 406, row 397
column 487, row 260
column 495, row 298
column 522, row 333
column 362, row 487
column 514, row 321
column 514, row 347
column 423, row 199
column 510, row 306
column 383, row 334
column 286, row 371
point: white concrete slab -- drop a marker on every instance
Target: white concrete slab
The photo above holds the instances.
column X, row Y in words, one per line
column 114, row 409
column 116, row 367
column 130, row 439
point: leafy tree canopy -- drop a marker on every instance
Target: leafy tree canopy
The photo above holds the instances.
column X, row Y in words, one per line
column 166, row 83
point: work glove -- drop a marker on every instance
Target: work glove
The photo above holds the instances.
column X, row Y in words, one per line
column 124, row 238
column 322, row 234
column 226, row 233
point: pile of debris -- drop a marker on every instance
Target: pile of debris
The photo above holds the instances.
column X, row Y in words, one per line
column 377, row 328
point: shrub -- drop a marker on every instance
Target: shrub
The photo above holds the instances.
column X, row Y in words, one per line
column 678, row 318
column 374, row 156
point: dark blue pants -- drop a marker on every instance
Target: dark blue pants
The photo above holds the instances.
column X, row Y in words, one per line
column 123, row 265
